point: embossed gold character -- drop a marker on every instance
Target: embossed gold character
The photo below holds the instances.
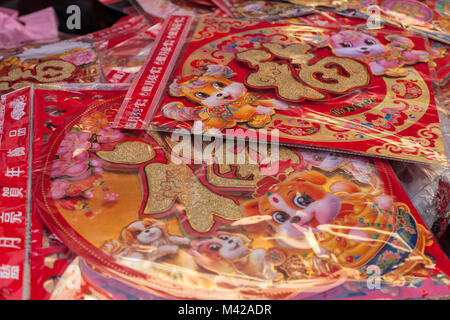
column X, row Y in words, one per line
column 45, row 72
column 331, row 74
column 172, row 184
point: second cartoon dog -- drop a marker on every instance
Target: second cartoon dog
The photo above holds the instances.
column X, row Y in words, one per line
column 145, row 239
column 222, row 102
column 229, row 253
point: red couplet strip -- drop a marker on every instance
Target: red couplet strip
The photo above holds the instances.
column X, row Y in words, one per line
column 142, row 98
column 14, row 151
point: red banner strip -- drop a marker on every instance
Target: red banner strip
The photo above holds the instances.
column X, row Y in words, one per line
column 143, row 97
column 14, row 152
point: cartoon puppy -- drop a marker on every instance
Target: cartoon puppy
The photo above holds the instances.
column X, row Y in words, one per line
column 296, row 206
column 222, row 102
column 382, row 59
column 145, row 239
column 228, row 253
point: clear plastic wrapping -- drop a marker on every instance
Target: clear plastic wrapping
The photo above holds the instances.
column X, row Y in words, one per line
column 59, row 62
column 430, row 18
column 336, row 87
column 440, row 64
column 161, row 9
column 264, row 10
column 241, row 150
column 158, row 216
column 122, row 61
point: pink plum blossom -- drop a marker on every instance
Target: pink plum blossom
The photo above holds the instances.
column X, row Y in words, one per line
column 97, row 166
column 71, row 166
column 95, row 147
column 81, row 57
column 58, row 189
column 88, row 194
column 111, row 196
column 74, row 143
column 108, row 135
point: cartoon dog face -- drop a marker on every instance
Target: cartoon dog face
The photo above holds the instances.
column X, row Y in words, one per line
column 225, row 245
column 355, row 44
column 213, row 88
column 219, row 253
column 143, row 232
column 220, row 102
column 295, row 203
column 382, row 58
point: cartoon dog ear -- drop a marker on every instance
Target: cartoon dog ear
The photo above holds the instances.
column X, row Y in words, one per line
column 126, row 237
column 344, row 186
column 310, row 176
column 253, row 219
column 148, row 222
column 400, row 42
column 219, row 70
column 176, row 89
column 250, row 208
column 154, row 223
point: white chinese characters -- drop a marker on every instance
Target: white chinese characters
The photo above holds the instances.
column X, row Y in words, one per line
column 17, row 152
column 11, row 217
column 12, row 192
column 10, row 242
column 18, row 106
column 14, row 172
column 9, row 272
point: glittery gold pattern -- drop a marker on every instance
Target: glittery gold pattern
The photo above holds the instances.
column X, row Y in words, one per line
column 269, row 269
column 323, row 74
column 249, row 172
column 278, row 75
column 351, row 124
column 170, row 183
column 428, row 143
column 209, row 27
column 327, row 68
column 128, row 152
column 296, row 52
column 45, row 72
column 245, row 171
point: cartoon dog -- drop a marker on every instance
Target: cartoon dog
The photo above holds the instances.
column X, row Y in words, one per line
column 222, row 102
column 228, row 253
column 145, row 239
column 382, row 59
column 296, row 206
